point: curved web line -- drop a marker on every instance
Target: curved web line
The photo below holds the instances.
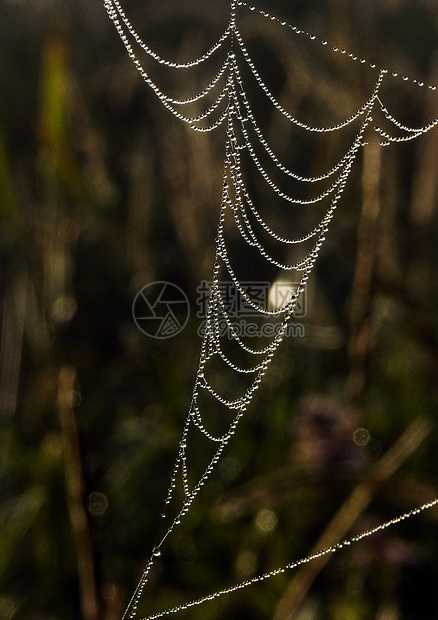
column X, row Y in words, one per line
column 415, row 130
column 281, row 194
column 166, row 100
column 335, row 49
column 276, row 161
column 280, row 108
column 114, row 7
column 206, row 90
column 242, row 193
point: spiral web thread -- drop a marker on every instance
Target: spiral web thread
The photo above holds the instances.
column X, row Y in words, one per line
column 232, row 109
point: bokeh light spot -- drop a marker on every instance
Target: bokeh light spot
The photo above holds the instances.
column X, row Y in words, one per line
column 266, row 521
column 361, row 436
column 97, row 503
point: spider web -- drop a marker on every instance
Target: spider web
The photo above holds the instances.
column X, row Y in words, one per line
column 252, row 168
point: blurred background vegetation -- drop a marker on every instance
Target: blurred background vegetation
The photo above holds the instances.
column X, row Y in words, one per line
column 102, row 192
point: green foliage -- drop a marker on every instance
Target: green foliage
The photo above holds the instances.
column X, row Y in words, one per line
column 101, row 193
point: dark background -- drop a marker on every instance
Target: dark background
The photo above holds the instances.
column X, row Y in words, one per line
column 102, row 191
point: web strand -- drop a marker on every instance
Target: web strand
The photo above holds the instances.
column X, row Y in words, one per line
column 293, row 565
